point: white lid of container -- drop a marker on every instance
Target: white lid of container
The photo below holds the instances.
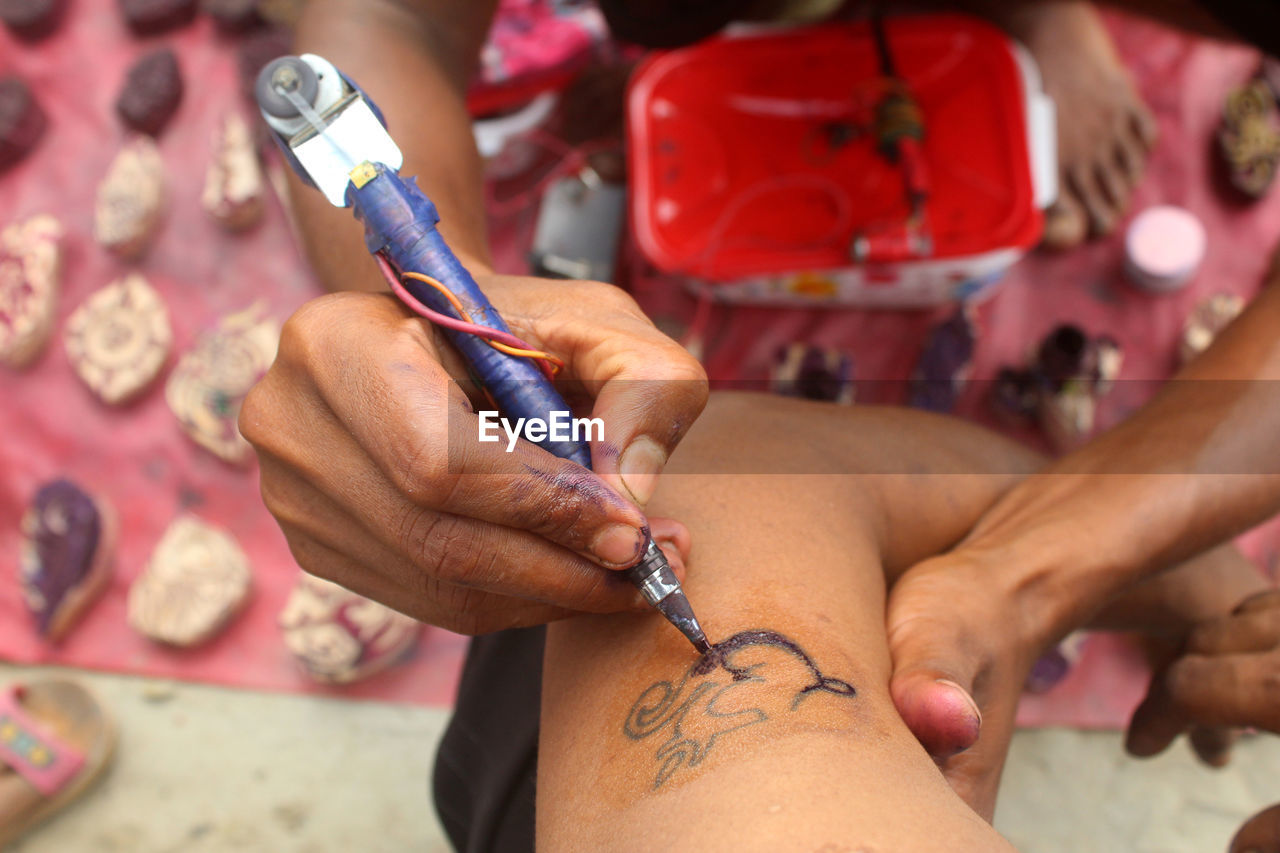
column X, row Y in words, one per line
column 1164, row 246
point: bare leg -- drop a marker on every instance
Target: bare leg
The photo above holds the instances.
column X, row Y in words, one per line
column 786, row 736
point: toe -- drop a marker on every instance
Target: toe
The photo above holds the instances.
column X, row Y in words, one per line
column 1131, row 160
column 1065, row 224
column 1115, row 189
column 1082, row 180
column 1144, row 125
column 1130, row 153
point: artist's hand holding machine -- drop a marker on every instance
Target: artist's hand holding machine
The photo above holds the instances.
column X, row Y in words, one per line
column 458, row 532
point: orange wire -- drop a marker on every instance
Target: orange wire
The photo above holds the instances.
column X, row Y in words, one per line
column 444, row 291
column 556, row 363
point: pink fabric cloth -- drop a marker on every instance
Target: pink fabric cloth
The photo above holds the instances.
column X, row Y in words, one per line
column 137, row 457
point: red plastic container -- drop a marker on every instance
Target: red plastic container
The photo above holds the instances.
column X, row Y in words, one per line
column 735, row 179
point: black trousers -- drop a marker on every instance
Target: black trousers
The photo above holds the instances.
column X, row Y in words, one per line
column 487, row 762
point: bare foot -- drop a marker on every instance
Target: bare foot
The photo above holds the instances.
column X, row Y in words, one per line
column 1104, row 128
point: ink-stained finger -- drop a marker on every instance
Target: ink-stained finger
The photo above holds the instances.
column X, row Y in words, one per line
column 417, row 426
column 1228, row 690
column 429, row 546
column 645, row 420
column 1259, row 834
column 1250, row 631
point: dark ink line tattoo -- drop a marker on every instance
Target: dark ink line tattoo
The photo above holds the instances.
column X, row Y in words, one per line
column 688, row 710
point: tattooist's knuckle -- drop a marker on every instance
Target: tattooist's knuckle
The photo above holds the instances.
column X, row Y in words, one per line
column 422, row 475
column 446, row 548
column 687, row 380
column 317, row 328
column 298, row 334
column 301, row 547
column 416, row 537
column 1266, row 674
column 1270, row 619
column 471, row 624
column 559, row 507
column 592, row 592
column 560, row 521
column 268, row 420
column 616, row 299
column 599, row 296
column 280, row 501
column 271, row 498
column 254, row 412
column 465, row 611
column 668, row 371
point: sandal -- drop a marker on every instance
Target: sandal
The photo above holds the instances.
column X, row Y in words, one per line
column 55, row 741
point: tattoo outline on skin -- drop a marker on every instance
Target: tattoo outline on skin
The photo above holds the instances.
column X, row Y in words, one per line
column 664, row 706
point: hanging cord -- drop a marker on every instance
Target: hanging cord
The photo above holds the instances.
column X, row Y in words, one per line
column 503, row 342
column 570, row 160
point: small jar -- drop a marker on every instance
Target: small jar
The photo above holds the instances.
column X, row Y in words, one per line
column 1163, row 248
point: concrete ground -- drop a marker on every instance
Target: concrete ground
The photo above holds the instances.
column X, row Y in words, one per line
column 206, row 770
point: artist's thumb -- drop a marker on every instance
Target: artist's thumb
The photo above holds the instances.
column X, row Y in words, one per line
column 646, row 409
column 932, row 686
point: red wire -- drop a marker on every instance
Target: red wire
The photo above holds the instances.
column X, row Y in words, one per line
column 571, row 160
column 417, row 307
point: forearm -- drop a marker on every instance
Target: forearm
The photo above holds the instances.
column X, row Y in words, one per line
column 414, row 61
column 1194, row 467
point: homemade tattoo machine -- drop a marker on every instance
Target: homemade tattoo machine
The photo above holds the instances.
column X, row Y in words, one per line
column 335, row 139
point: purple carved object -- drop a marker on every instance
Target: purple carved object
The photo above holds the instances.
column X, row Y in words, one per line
column 813, row 373
column 1061, row 385
column 31, row 19
column 22, row 122
column 65, row 557
column 232, row 16
column 1055, row 664
column 148, row 17
column 1015, row 395
column 944, row 364
column 151, row 93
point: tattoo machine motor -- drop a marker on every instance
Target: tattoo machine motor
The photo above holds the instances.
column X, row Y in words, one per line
column 335, row 138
